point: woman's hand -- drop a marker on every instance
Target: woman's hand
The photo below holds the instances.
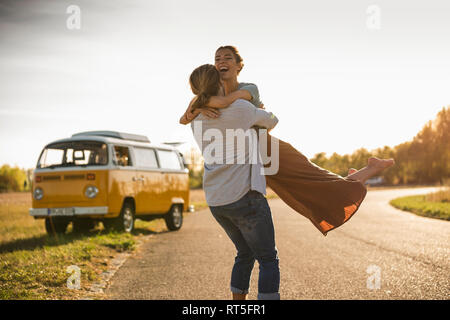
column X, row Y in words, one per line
column 189, row 115
column 209, row 112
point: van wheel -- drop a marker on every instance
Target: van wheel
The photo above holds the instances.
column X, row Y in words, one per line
column 174, row 218
column 56, row 225
column 124, row 222
column 82, row 225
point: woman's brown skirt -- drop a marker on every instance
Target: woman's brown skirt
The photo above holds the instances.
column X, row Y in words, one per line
column 325, row 198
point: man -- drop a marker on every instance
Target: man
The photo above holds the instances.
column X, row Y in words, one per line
column 235, row 193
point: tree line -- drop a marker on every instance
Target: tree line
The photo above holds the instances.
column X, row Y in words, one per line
column 424, row 160
column 14, row 179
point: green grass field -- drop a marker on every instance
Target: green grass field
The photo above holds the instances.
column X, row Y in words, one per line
column 434, row 205
column 34, row 265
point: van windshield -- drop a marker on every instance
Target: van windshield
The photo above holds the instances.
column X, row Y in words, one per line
column 73, row 154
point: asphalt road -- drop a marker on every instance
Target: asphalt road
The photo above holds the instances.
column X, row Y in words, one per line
column 381, row 253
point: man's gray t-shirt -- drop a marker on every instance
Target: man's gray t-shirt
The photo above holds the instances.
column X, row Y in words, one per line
column 256, row 101
column 228, row 178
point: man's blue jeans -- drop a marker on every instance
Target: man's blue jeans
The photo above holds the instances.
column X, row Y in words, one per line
column 248, row 223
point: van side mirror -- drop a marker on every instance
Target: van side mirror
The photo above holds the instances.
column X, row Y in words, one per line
column 185, row 163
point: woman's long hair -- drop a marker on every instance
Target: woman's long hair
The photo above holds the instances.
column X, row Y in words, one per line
column 205, row 83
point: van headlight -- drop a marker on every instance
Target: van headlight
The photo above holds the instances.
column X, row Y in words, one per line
column 38, row 193
column 91, row 192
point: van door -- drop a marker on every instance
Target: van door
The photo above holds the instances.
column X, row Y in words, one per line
column 149, row 182
column 176, row 184
column 122, row 178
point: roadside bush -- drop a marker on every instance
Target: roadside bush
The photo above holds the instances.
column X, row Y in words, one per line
column 13, row 179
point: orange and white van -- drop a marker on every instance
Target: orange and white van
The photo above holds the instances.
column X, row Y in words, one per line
column 108, row 176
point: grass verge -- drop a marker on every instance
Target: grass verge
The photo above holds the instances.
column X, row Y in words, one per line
column 35, row 266
column 433, row 205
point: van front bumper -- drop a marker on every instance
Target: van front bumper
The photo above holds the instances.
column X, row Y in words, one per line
column 68, row 211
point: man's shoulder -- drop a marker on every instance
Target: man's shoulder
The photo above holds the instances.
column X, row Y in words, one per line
column 239, row 107
column 241, row 104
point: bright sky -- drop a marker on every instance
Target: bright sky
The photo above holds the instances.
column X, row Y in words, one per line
column 336, row 81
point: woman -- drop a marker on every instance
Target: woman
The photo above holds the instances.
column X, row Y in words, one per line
column 326, row 199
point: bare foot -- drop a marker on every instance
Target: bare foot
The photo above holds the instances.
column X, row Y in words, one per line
column 351, row 171
column 380, row 164
column 374, row 166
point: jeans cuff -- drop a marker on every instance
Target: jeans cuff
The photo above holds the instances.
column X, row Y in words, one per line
column 269, row 296
column 239, row 291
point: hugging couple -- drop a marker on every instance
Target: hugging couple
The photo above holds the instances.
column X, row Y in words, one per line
column 235, row 191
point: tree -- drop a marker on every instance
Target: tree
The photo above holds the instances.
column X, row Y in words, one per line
column 13, row 179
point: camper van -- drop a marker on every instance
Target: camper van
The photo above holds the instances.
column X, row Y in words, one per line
column 108, row 176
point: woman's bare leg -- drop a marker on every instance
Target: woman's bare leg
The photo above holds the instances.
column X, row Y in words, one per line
column 374, row 166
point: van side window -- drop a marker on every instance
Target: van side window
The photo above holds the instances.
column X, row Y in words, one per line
column 122, row 156
column 145, row 158
column 169, row 160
